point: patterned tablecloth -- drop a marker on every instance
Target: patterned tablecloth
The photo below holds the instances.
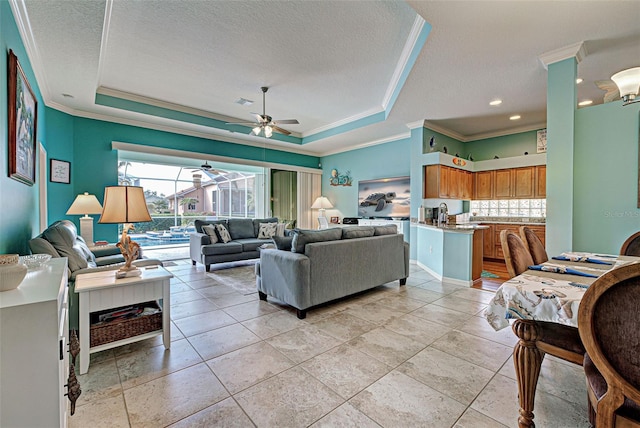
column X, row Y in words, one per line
column 549, row 295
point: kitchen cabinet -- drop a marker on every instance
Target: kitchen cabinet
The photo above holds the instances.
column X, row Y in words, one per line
column 483, row 185
column 444, row 182
column 492, row 248
column 541, row 182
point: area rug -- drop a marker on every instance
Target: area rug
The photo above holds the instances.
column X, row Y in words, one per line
column 487, row 274
column 241, row 278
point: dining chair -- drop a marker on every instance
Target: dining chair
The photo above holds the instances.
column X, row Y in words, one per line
column 608, row 320
column 631, row 247
column 556, row 339
column 534, row 244
column 516, row 254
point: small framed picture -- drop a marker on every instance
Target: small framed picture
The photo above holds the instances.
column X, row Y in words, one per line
column 60, row 171
column 335, row 220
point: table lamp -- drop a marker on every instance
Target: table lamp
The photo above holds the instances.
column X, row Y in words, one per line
column 85, row 204
column 321, row 203
column 125, row 204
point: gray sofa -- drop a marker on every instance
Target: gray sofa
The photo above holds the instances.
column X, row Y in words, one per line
column 319, row 266
column 61, row 239
column 243, row 245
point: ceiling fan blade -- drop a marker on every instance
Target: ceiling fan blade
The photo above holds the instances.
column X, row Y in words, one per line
column 280, row 130
column 242, row 123
column 287, row 122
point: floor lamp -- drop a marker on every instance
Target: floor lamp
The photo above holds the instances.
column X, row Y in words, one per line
column 85, row 204
column 321, row 204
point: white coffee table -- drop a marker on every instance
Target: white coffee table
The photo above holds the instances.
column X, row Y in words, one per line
column 101, row 290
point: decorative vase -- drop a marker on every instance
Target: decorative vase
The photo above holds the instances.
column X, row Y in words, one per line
column 11, row 275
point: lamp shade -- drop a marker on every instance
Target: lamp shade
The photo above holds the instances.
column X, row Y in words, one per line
column 85, row 204
column 321, row 203
column 124, row 204
column 628, row 82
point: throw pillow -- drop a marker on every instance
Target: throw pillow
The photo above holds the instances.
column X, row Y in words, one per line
column 389, row 229
column 303, row 237
column 283, row 242
column 267, row 230
column 351, row 232
column 280, row 229
column 210, row 230
column 223, row 232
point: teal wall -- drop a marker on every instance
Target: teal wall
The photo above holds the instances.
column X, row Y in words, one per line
column 19, row 215
column 504, row 147
column 369, row 163
column 59, row 134
column 605, row 177
column 441, row 141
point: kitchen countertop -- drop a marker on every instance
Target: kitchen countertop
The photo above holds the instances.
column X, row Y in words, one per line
column 459, row 228
column 524, row 223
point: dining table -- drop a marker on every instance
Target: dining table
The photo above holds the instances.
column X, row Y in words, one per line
column 546, row 293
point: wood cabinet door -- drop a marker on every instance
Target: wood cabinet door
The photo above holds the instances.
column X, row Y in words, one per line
column 465, row 189
column 488, row 247
column 541, row 182
column 431, row 185
column 483, row 185
column 448, row 186
column 523, row 182
column 502, row 184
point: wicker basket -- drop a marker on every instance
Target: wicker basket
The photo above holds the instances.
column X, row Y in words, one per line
column 115, row 330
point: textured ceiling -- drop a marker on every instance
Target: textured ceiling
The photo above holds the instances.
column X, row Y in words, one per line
column 327, row 63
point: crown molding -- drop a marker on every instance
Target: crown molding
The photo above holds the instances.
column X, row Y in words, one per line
column 396, row 137
column 484, row 135
column 409, row 46
column 416, row 124
column 21, row 16
column 104, row 40
column 345, row 121
column 444, row 131
column 576, row 50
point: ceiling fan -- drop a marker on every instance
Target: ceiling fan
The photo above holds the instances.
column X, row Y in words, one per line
column 265, row 124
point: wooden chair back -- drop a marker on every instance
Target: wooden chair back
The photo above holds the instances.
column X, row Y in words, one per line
column 516, row 254
column 608, row 320
column 631, row 247
column 534, row 244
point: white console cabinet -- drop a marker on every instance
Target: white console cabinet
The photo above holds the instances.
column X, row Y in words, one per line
column 34, row 363
column 402, row 225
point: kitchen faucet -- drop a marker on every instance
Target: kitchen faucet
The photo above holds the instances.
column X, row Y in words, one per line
column 443, row 214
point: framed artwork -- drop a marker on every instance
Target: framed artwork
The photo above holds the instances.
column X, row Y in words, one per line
column 541, row 141
column 335, row 220
column 60, row 171
column 22, row 110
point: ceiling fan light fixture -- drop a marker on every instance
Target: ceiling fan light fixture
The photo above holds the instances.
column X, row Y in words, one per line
column 628, row 82
column 256, row 130
column 268, row 131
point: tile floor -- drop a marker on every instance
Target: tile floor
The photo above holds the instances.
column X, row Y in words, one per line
column 415, row 356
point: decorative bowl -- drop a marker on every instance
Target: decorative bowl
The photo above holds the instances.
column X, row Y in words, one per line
column 34, row 261
column 8, row 259
column 11, row 276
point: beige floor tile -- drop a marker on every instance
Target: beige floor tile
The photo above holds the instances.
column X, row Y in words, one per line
column 563, row 381
column 248, row 366
column 301, row 400
column 188, row 309
column 460, row 305
column 344, row 326
column 142, row 366
column 206, row 321
column 171, row 398
column 199, row 281
column 185, row 296
column 417, row 281
column 345, row 416
column 252, row 309
column 417, row 329
column 375, row 312
column 225, row 414
column 178, row 286
column 109, row 412
column 440, row 287
column 398, row 400
column 303, row 343
column 482, row 352
column 100, row 382
column 232, row 299
column 402, row 303
column 482, row 296
column 274, row 324
column 345, row 370
column 421, row 294
column 441, row 315
column 386, row 346
column 478, row 326
column 216, row 291
column 474, row 419
column 222, row 340
column 452, row 376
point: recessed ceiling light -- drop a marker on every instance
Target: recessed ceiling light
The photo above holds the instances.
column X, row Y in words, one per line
column 244, row 102
column 585, row 103
column 495, row 103
column 515, row 117
column 579, row 80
